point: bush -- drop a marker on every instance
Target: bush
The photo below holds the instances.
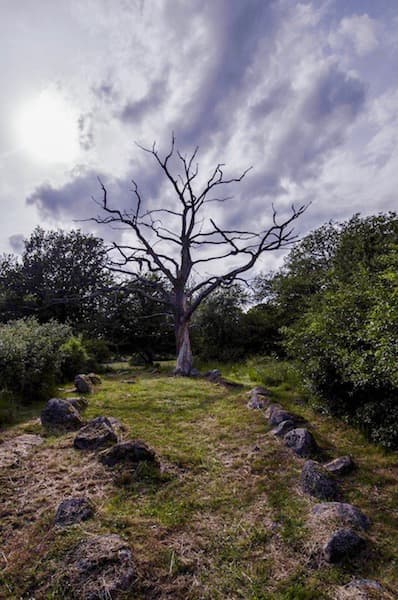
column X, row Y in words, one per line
column 31, row 357
column 74, row 358
column 98, row 350
column 347, row 347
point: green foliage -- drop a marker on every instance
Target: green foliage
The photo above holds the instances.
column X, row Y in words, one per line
column 61, row 275
column 217, row 327
column 346, row 338
column 75, row 357
column 97, row 349
column 30, row 357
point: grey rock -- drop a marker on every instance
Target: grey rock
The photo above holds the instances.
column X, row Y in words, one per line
column 345, row 513
column 284, row 427
column 279, row 415
column 301, row 441
column 130, row 452
column 60, row 414
column 79, row 403
column 73, row 510
column 117, row 426
column 317, row 482
column 213, row 375
column 344, row 543
column 98, row 433
column 271, row 409
column 341, row 465
column 100, row 567
column 261, row 391
column 94, row 378
column 83, row 384
column 257, row 402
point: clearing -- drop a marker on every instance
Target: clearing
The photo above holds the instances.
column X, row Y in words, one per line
column 225, row 518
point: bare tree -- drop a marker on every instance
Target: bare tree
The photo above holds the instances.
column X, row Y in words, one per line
column 177, row 241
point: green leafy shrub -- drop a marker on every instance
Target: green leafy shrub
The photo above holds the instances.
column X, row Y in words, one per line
column 75, row 358
column 31, row 357
column 98, row 350
column 346, row 341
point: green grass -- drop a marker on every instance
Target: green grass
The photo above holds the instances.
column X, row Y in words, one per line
column 224, row 518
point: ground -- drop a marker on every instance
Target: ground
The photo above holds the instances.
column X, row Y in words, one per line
column 224, row 519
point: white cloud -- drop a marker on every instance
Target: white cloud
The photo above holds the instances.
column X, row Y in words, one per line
column 358, row 31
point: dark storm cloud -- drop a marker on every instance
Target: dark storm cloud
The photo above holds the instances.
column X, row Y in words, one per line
column 76, row 201
column 80, row 198
column 332, row 104
column 278, row 96
column 135, row 111
column 238, row 28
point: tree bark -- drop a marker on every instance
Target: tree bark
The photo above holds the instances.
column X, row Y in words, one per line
column 184, row 353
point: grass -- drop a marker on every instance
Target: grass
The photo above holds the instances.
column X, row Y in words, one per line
column 223, row 519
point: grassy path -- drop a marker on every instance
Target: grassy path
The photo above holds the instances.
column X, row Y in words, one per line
column 224, row 520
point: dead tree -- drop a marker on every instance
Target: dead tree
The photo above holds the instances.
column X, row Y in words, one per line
column 179, row 241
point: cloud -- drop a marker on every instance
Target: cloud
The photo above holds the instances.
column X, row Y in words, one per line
column 359, row 31
column 16, row 242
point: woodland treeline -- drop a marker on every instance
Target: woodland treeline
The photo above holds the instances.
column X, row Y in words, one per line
column 332, row 309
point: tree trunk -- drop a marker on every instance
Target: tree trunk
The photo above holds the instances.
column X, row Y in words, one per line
column 184, row 354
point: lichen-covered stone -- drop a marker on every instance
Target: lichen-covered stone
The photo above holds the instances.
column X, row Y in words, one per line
column 79, row 403
column 83, row 384
column 60, row 414
column 283, row 428
column 301, row 442
column 279, row 414
column 97, row 434
column 73, row 510
column 317, row 482
column 130, row 452
column 340, row 465
column 344, row 543
column 342, row 512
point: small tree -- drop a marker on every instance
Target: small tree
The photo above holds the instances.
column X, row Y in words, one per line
column 175, row 241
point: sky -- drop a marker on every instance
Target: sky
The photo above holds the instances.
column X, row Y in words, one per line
column 304, row 92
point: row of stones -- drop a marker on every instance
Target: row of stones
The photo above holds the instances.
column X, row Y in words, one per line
column 317, row 480
column 101, row 566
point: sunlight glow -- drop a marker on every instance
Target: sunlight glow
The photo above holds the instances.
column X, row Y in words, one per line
column 47, row 128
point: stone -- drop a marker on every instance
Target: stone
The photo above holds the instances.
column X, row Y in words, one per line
column 117, row 426
column 257, row 402
column 301, row 441
column 317, row 482
column 130, row 453
column 271, row 409
column 73, row 510
column 100, row 567
column 279, row 415
column 344, row 513
column 283, row 428
column 97, row 434
column 94, row 378
column 83, row 384
column 79, row 403
column 343, row 543
column 213, row 375
column 60, row 414
column 341, row 465
column 260, row 391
